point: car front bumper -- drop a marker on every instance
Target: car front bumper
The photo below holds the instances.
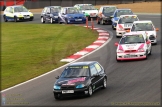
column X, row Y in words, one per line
column 120, row 33
column 77, row 92
column 76, row 21
column 131, row 56
column 22, row 18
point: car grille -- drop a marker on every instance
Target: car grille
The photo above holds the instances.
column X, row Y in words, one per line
column 130, row 51
column 151, row 37
column 26, row 15
column 67, row 87
column 77, row 17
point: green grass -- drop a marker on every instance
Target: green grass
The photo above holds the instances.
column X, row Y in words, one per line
column 29, row 50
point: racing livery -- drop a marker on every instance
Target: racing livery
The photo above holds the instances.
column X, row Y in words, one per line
column 133, row 45
column 50, row 14
column 17, row 13
column 117, row 14
column 80, row 78
column 147, row 27
column 124, row 23
column 105, row 13
column 71, row 15
column 88, row 10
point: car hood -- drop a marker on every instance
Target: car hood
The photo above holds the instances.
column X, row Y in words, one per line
column 71, row 81
column 23, row 13
column 131, row 46
column 55, row 14
column 148, row 33
column 75, row 15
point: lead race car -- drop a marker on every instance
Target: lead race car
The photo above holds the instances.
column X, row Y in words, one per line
column 80, row 79
column 124, row 23
column 71, row 15
column 132, row 46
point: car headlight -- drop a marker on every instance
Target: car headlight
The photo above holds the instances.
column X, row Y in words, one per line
column 31, row 14
column 80, row 86
column 141, row 50
column 120, row 51
column 57, row 87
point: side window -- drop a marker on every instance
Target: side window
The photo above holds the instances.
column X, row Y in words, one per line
column 93, row 70
column 45, row 9
column 11, row 10
column 48, row 10
column 98, row 67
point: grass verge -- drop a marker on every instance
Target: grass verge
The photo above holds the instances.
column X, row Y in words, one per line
column 29, row 50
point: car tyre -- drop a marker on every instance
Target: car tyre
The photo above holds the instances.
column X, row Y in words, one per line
column 51, row 20
column 90, row 91
column 102, row 22
column 15, row 19
column 5, row 19
column 42, row 20
column 146, row 55
column 113, row 27
column 104, row 83
column 150, row 52
column 57, row 96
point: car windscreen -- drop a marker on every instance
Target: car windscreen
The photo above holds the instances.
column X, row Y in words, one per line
column 142, row 27
column 124, row 12
column 55, row 10
column 132, row 39
column 20, row 9
column 87, row 7
column 75, row 71
column 127, row 19
column 107, row 10
column 72, row 11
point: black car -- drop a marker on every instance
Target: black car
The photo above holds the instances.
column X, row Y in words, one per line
column 80, row 78
column 105, row 13
column 50, row 14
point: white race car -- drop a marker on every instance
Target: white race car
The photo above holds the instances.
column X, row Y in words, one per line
column 147, row 27
column 17, row 13
column 124, row 23
column 132, row 46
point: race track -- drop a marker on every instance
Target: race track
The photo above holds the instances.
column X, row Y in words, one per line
column 128, row 81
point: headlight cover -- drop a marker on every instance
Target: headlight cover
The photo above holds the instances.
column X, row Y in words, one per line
column 141, row 50
column 57, row 87
column 31, row 14
column 80, row 86
column 120, row 51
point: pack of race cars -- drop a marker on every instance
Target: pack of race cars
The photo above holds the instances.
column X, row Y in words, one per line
column 137, row 37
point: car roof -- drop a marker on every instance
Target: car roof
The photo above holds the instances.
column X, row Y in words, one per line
column 128, row 15
column 143, row 21
column 82, row 63
column 68, row 7
column 108, row 6
column 52, row 6
column 15, row 6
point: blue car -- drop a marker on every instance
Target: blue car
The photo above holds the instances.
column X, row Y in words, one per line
column 70, row 15
column 117, row 14
column 50, row 14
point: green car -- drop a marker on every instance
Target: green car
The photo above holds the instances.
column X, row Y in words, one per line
column 88, row 10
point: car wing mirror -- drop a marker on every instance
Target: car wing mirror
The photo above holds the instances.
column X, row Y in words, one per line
column 116, row 44
column 57, row 77
column 157, row 29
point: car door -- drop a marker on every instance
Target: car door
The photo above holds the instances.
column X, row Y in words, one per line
column 148, row 45
column 94, row 77
column 47, row 15
column 100, row 71
column 10, row 13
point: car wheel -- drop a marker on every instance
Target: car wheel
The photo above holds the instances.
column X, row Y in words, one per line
column 5, row 19
column 57, row 96
column 15, row 19
column 31, row 19
column 146, row 55
column 104, row 83
column 102, row 22
column 113, row 27
column 42, row 20
column 150, row 52
column 90, row 91
column 51, row 20
column 98, row 22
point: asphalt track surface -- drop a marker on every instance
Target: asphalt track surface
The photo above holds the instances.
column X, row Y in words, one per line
column 128, row 81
